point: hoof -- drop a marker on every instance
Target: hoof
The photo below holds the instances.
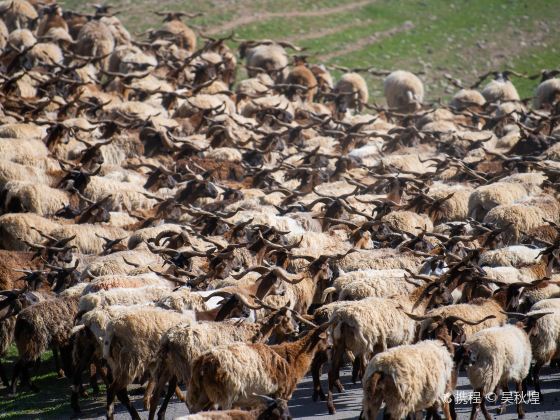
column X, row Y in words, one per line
column 319, row 395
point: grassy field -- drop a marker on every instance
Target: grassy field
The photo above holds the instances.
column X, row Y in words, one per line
column 463, row 38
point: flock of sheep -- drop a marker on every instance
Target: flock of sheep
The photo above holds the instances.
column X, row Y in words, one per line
column 166, row 224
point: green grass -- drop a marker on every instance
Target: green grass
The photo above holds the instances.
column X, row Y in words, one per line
column 464, row 38
column 51, row 402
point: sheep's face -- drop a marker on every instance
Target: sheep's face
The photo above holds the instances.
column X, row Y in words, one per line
column 285, row 326
column 465, row 356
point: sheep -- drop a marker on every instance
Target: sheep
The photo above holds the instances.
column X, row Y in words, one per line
column 531, row 296
column 183, row 299
column 495, row 356
column 274, row 410
column 11, row 171
column 121, row 296
column 358, row 328
column 4, row 33
column 32, row 197
column 15, row 149
column 467, row 98
column 117, row 281
column 95, row 40
column 514, row 256
column 44, row 53
column 454, row 208
column 88, row 237
column 300, row 75
column 15, row 228
column 89, row 336
column 119, row 262
column 47, row 323
column 408, row 378
column 324, row 78
column 183, row 343
column 130, row 347
column 14, row 301
column 379, row 259
column 119, row 32
column 270, row 57
column 403, row 91
column 500, row 90
column 352, row 92
column 52, row 18
column 486, row 197
column 545, row 335
column 232, row 374
column 356, row 285
column 18, row 14
column 257, row 85
column 408, row 221
column 182, row 35
column 546, row 93
column 519, row 218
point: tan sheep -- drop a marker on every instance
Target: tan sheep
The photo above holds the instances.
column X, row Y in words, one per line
column 403, row 91
column 95, row 40
column 467, row 98
column 547, row 93
column 18, row 14
column 352, row 92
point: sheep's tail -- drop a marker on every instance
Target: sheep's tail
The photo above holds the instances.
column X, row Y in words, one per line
column 370, row 389
column 195, row 388
column 375, row 378
column 326, row 293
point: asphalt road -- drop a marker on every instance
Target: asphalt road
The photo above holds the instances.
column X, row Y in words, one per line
column 349, row 403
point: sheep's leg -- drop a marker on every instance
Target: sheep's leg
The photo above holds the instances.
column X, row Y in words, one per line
column 4, row 376
column 431, row 412
column 15, row 375
column 536, row 381
column 122, row 395
column 419, row 415
column 319, row 360
column 485, row 412
column 447, row 412
column 179, row 394
column 451, row 406
column 172, row 386
column 335, row 367
column 77, row 378
column 356, row 369
column 26, row 378
column 502, row 408
column 148, row 393
column 57, row 365
column 110, row 401
column 93, row 378
column 156, row 394
column 476, row 406
column 520, row 411
column 338, row 362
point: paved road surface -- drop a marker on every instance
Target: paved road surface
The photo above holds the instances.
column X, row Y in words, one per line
column 349, row 403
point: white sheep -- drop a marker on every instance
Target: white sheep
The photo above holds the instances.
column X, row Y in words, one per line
column 408, row 379
column 494, row 357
